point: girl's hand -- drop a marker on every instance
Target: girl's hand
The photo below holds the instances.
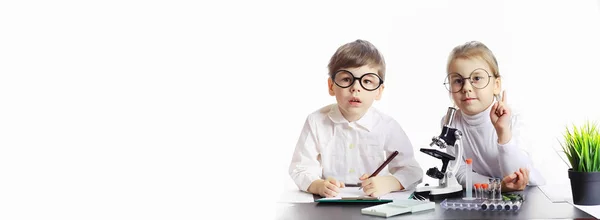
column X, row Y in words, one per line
column 500, row 116
column 516, row 181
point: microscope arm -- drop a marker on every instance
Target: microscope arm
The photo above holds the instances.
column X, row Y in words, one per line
column 459, row 154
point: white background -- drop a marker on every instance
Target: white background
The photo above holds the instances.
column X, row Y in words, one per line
column 174, row 109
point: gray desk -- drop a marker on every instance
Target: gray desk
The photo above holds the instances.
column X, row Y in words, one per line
column 536, row 206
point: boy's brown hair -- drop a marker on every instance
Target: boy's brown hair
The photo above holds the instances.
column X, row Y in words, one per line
column 356, row 54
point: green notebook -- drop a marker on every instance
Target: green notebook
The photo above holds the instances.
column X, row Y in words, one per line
column 354, row 194
column 353, row 199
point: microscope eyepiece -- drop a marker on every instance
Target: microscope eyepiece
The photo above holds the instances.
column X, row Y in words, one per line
column 449, row 116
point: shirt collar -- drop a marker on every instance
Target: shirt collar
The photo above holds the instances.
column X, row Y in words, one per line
column 366, row 121
column 478, row 119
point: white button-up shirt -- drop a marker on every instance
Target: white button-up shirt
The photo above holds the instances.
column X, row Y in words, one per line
column 330, row 146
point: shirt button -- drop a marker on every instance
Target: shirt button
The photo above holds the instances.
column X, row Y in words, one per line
column 351, row 170
column 351, row 146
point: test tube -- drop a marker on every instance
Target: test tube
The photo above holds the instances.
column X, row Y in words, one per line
column 477, row 186
column 468, row 180
column 481, row 192
column 507, row 205
column 498, row 189
column 485, row 205
column 516, row 205
column 499, row 205
column 492, row 189
column 484, row 191
column 491, row 205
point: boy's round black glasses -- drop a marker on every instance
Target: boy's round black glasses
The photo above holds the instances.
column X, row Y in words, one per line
column 368, row 81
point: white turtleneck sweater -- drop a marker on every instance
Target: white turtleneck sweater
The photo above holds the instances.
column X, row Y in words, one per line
column 490, row 159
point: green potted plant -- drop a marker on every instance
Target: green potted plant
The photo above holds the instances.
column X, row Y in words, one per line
column 582, row 148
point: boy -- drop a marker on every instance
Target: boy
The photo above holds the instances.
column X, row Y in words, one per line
column 341, row 141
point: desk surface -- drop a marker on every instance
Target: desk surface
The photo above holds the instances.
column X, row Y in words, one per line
column 536, row 206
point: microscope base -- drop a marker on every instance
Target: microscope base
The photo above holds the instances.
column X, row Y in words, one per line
column 435, row 193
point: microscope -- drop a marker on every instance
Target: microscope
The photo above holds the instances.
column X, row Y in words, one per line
column 448, row 184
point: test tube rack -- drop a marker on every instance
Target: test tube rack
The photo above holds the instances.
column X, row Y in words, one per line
column 510, row 202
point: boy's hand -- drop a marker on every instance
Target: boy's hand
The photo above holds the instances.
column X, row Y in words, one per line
column 500, row 116
column 516, row 181
column 326, row 188
column 379, row 185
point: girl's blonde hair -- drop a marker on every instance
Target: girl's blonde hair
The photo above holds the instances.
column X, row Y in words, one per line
column 474, row 49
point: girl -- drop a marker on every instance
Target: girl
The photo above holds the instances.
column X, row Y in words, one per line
column 491, row 131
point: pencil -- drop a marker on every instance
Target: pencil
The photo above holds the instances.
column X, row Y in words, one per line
column 389, row 159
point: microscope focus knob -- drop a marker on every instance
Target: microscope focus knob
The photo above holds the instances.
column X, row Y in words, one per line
column 435, row 173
